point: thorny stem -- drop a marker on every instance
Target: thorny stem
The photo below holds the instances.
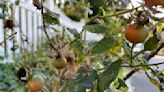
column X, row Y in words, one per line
column 64, row 44
column 44, row 27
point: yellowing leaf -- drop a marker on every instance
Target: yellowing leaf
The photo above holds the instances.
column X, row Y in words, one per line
column 155, row 83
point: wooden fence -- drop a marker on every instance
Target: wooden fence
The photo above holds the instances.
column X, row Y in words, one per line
column 28, row 36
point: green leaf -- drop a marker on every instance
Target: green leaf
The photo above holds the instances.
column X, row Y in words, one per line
column 17, row 2
column 162, row 29
column 161, row 77
column 123, row 89
column 51, row 18
column 3, row 5
column 74, row 13
column 103, row 45
column 145, row 67
column 122, row 82
column 151, row 43
column 20, row 89
column 80, row 58
column 73, row 32
column 54, row 29
column 96, row 28
column 78, row 48
column 3, row 86
column 2, row 16
column 84, row 80
column 73, row 16
column 127, row 48
column 105, row 78
column 155, row 82
column 96, row 4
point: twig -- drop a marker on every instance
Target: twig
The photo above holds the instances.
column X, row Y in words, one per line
column 125, row 59
column 62, row 37
column 153, row 53
column 8, row 37
column 44, row 27
column 143, row 65
column 136, row 55
column 128, row 76
column 113, row 15
column 72, row 40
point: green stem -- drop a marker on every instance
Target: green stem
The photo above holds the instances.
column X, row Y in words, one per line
column 113, row 15
column 131, row 54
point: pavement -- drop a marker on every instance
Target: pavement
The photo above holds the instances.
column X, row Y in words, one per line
column 139, row 81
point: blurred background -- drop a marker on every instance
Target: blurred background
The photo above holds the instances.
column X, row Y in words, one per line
column 28, row 22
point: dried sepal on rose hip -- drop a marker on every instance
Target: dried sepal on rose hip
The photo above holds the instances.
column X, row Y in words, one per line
column 142, row 18
column 22, row 74
column 37, row 4
column 9, row 23
column 60, row 62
